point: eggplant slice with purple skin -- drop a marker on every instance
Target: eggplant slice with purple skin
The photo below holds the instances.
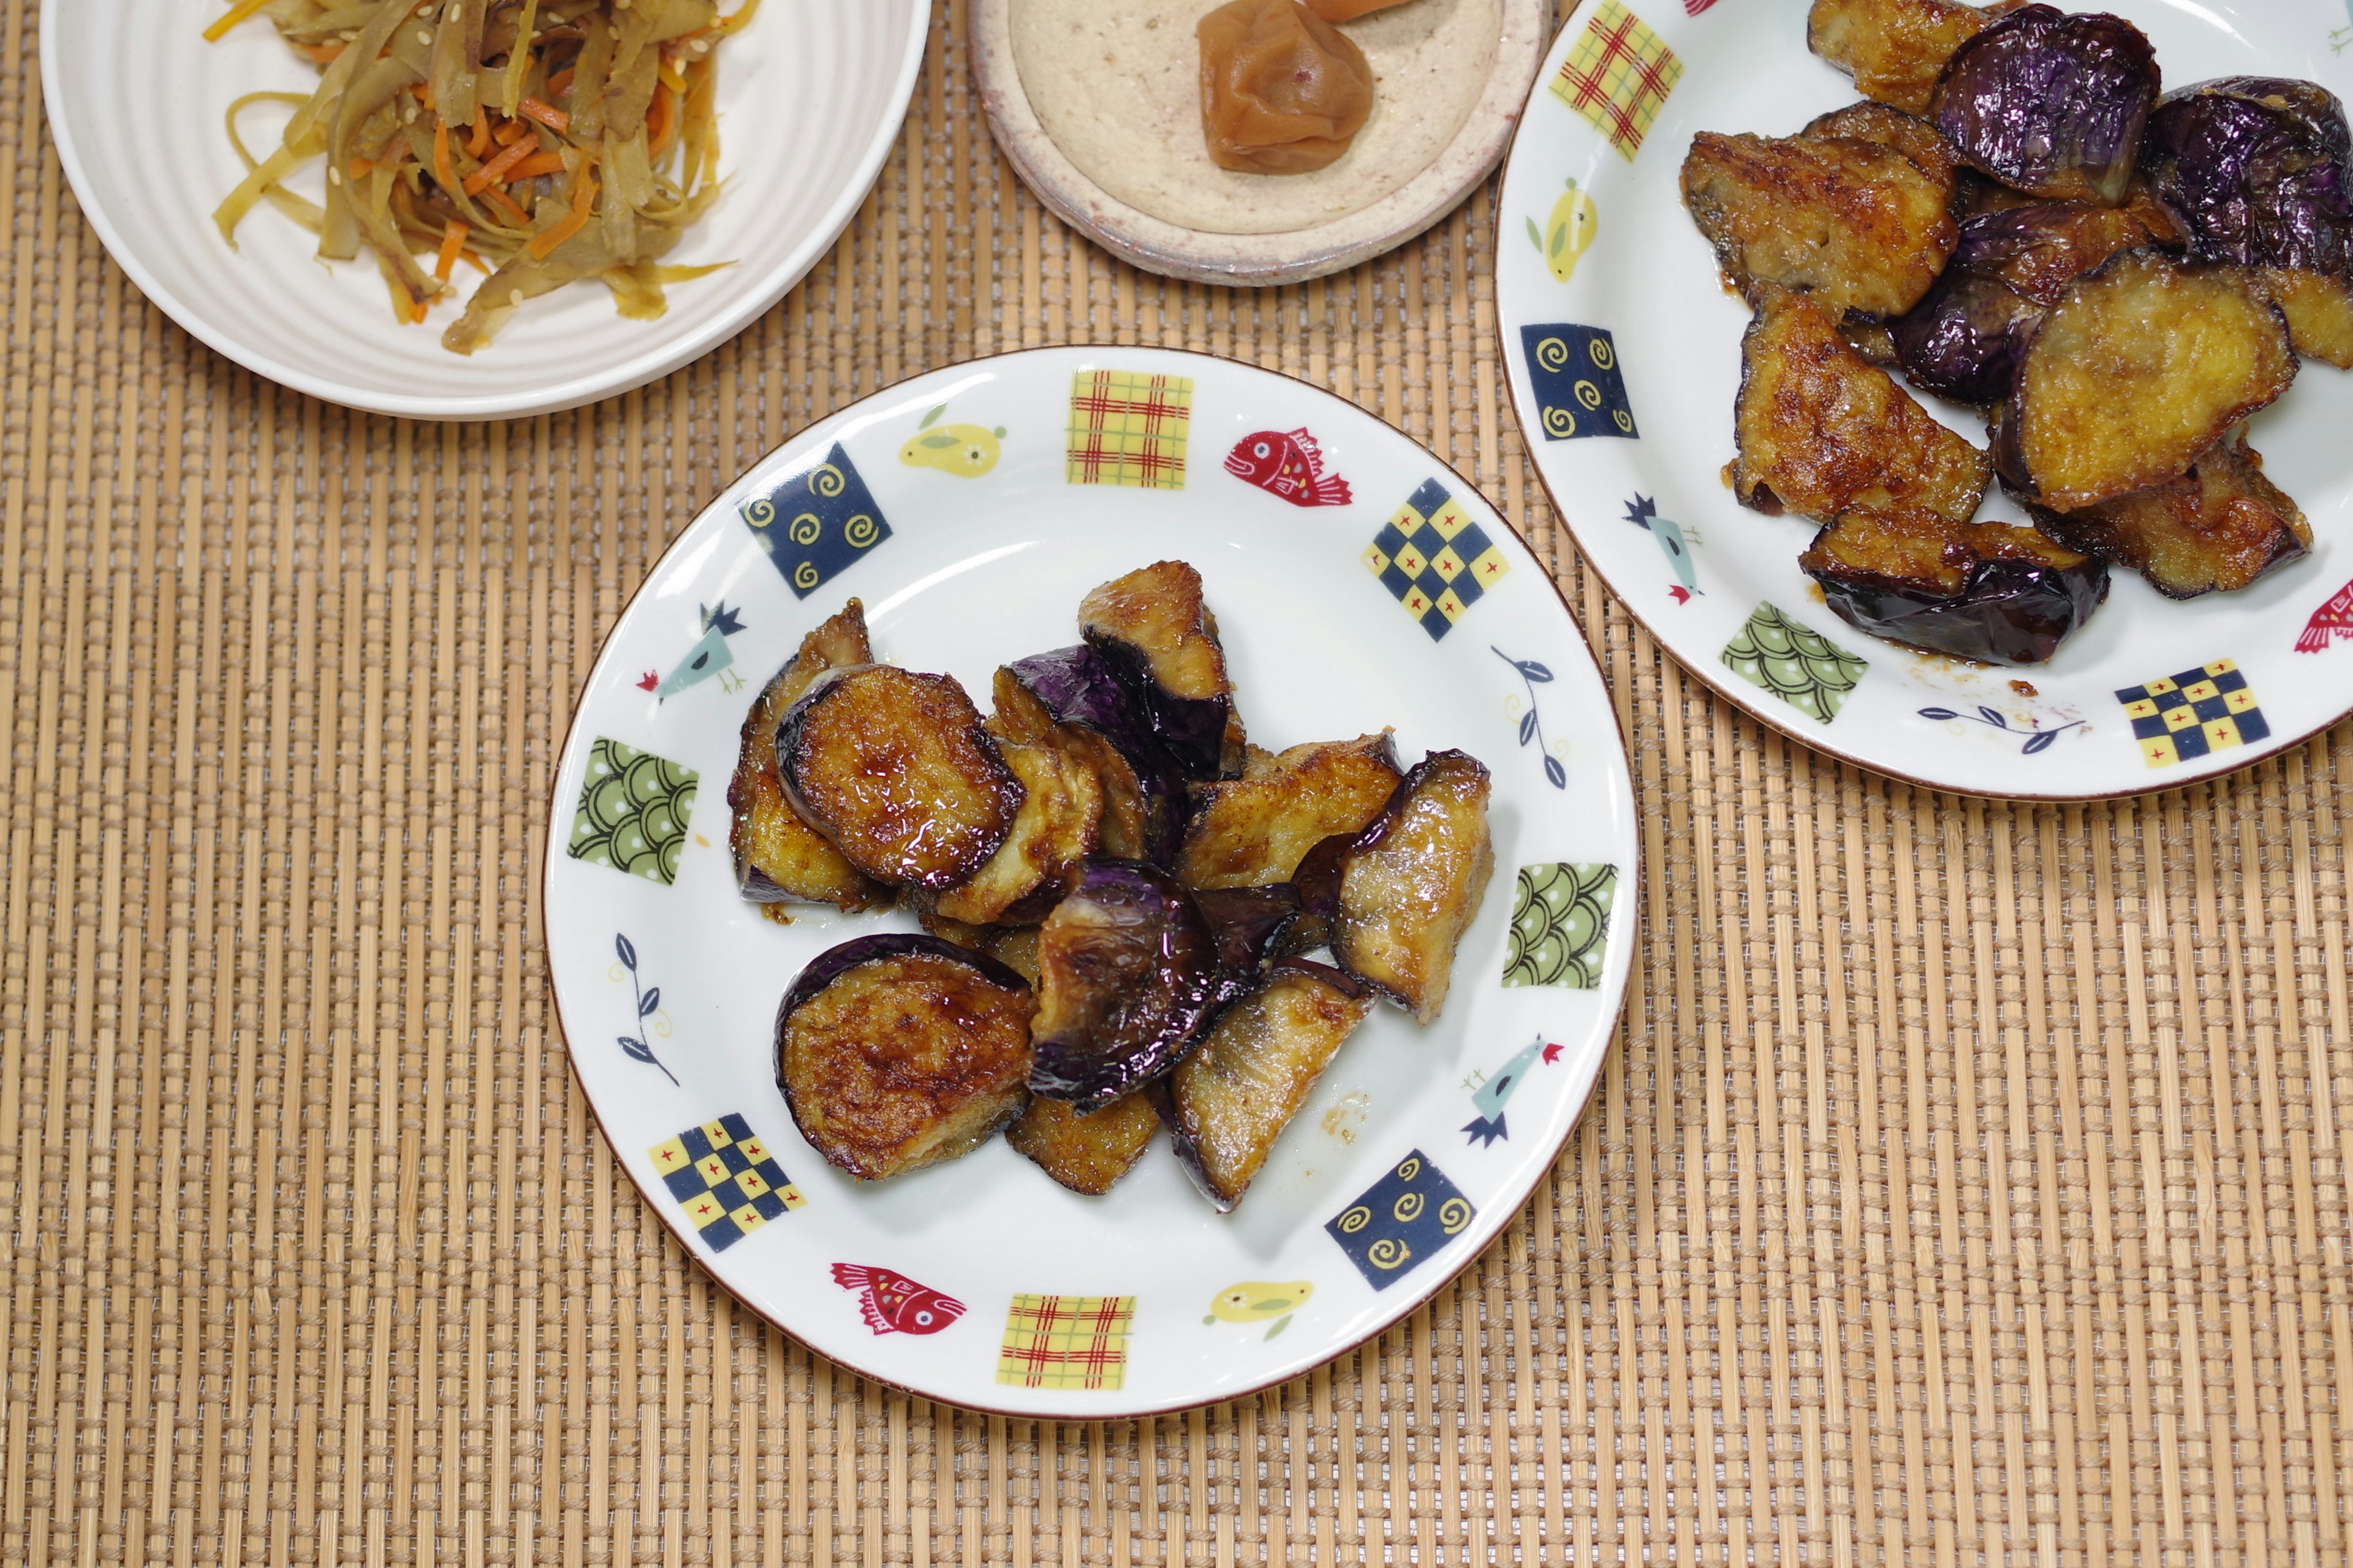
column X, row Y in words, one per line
column 1160, row 640
column 1399, row 896
column 895, row 769
column 1249, row 926
column 1251, row 831
column 2214, row 530
column 779, row 858
column 1072, row 700
column 1085, row 1151
column 898, row 1051
column 1231, row 1099
column 1127, row 975
column 1986, row 591
column 2254, row 169
column 2051, row 102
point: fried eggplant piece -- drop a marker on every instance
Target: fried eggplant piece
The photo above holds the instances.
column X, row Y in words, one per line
column 2319, row 312
column 1965, row 338
column 1984, row 591
column 1251, row 831
column 2138, row 369
column 1059, row 825
column 1087, row 1151
column 1161, row 642
column 1853, row 223
column 2214, row 530
column 898, row 1051
column 1398, row 897
column 1821, row 432
column 1894, row 49
column 1070, row 700
column 2051, row 102
column 1906, row 134
column 779, row 858
column 895, row 768
column 1127, row 974
column 1249, row 926
column 1232, row 1098
column 2255, row 171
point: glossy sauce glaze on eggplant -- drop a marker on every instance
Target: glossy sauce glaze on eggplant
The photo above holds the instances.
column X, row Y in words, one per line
column 2050, row 103
column 1071, row 700
column 1127, row 975
column 897, row 1051
column 1085, row 1151
column 1990, row 592
column 1253, row 830
column 2214, row 528
column 1152, row 628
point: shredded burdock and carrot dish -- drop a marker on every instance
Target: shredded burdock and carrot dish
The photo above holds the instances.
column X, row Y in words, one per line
column 540, row 142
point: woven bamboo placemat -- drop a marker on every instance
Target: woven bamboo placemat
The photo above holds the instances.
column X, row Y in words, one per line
column 1968, row 1185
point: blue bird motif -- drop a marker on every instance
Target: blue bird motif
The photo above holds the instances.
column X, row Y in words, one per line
column 710, row 656
column 1491, row 1093
column 1643, row 512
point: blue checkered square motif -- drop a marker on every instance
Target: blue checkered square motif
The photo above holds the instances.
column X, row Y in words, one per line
column 2193, row 714
column 725, row 1180
column 1434, row 558
column 817, row 522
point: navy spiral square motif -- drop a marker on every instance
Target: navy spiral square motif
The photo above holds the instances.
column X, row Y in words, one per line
column 1573, row 370
column 1401, row 1220
column 816, row 523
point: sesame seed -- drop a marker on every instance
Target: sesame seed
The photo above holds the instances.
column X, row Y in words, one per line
column 515, row 296
column 424, row 37
column 335, row 175
column 700, row 46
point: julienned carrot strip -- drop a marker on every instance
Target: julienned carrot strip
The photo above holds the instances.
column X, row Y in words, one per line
column 323, row 53
column 404, row 306
column 362, row 168
column 537, row 164
column 511, row 131
column 556, row 119
column 584, row 196
column 453, row 245
column 560, row 83
column 480, row 142
column 235, row 14
column 516, row 217
column 495, row 171
column 658, row 123
column 441, row 157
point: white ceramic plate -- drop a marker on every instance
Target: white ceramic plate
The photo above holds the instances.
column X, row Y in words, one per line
column 1143, row 104
column 1733, row 607
column 811, row 95
column 964, row 566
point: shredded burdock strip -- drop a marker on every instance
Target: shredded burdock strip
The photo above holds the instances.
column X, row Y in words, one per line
column 544, row 140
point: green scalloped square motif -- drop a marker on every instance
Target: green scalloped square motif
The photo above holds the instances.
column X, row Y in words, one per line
column 1795, row 663
column 634, row 808
column 1560, row 925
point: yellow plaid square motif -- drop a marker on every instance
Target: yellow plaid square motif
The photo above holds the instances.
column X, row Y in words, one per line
column 2193, row 714
column 1066, row 1341
column 1128, row 429
column 1617, row 77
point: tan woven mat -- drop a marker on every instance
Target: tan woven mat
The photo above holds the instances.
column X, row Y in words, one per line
column 1968, row 1187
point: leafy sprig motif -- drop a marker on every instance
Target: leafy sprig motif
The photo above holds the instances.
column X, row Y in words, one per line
column 649, row 1001
column 1533, row 675
column 2036, row 740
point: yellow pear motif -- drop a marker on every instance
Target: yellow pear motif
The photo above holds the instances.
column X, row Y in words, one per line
column 1567, row 233
column 966, row 451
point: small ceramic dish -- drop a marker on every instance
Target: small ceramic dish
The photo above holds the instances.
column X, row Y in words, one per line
column 1623, row 352
column 968, row 511
column 1098, row 105
column 811, row 96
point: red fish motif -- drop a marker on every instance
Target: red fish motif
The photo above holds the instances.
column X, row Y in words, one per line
column 2333, row 622
column 1288, row 465
column 894, row 1304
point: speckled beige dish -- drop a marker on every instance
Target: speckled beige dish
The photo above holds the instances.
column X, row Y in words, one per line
column 1097, row 102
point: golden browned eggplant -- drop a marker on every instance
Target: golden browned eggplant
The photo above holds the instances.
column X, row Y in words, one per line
column 2136, row 371
column 2214, row 530
column 1906, row 134
column 1985, row 590
column 1822, row 432
column 1161, row 641
column 1059, row 825
column 1852, row 223
column 1251, row 831
column 895, row 769
column 1086, row 1152
column 1235, row 1094
column 2318, row 310
column 1399, row 896
column 898, row 1051
column 1894, row 49
column 779, row 858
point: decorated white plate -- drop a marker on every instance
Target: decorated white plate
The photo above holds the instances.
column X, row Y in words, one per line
column 812, row 96
column 969, row 510
column 1624, row 355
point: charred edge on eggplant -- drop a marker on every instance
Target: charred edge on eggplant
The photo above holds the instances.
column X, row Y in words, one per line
column 895, row 768
column 897, row 1051
column 1151, row 626
column 2052, row 103
column 1127, row 975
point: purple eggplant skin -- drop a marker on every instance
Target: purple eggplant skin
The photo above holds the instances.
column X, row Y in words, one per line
column 1965, row 338
column 2009, row 611
column 1079, row 685
column 1248, row 925
column 2254, row 171
column 837, row 961
column 1189, row 730
column 2050, row 103
column 1128, row 979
